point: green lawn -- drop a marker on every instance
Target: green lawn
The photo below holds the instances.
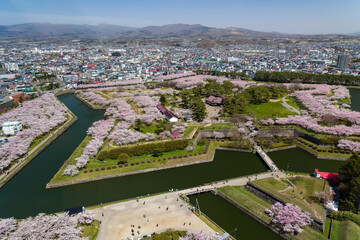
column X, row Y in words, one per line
column 91, row 231
column 345, row 230
column 291, row 101
column 303, row 195
column 267, row 110
column 95, row 163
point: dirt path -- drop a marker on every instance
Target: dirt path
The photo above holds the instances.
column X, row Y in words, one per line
column 291, row 108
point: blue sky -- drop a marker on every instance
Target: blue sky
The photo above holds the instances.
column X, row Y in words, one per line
column 291, row 16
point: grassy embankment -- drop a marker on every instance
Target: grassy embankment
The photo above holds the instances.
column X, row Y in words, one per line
column 91, row 231
column 154, row 162
column 345, row 230
column 257, row 206
column 299, row 191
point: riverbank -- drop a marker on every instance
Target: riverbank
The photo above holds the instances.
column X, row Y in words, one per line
column 89, row 104
column 52, row 136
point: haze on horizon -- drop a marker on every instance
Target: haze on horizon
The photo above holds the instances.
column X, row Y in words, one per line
column 294, row 16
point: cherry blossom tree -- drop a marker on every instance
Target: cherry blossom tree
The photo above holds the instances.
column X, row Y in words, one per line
column 349, row 145
column 192, row 235
column 71, row 170
column 38, row 116
column 85, row 218
column 289, row 218
column 42, row 227
column 7, row 226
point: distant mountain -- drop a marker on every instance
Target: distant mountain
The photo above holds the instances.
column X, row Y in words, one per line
column 67, row 31
column 47, row 31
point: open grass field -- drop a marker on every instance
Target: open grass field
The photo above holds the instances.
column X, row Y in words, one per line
column 302, row 195
column 345, row 230
column 269, row 109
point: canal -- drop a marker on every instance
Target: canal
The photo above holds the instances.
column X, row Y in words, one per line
column 230, row 217
column 25, row 195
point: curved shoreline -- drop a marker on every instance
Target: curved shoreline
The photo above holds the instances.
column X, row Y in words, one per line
column 55, row 135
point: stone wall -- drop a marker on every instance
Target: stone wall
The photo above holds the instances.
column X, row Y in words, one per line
column 270, row 198
column 267, row 133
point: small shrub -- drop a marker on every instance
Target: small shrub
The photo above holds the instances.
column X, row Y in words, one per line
column 126, row 164
column 103, row 168
column 336, row 151
column 137, row 163
column 120, row 166
column 169, row 158
column 185, row 156
column 91, row 170
column 109, row 167
column 97, row 169
column 132, row 164
column 85, row 171
column 190, row 155
column 180, row 156
column 143, row 162
column 149, row 161
column 113, row 166
column 164, row 159
column 175, row 157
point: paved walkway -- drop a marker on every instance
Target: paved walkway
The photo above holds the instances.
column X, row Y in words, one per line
column 291, row 108
column 266, row 159
column 117, row 219
column 241, row 181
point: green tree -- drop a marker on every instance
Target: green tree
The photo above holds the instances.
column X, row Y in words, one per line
column 185, row 98
column 350, row 184
column 162, row 99
column 122, row 158
column 138, row 124
column 235, row 104
column 258, row 94
column 199, row 109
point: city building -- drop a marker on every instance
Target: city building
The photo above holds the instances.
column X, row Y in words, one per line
column 11, row 127
column 342, row 61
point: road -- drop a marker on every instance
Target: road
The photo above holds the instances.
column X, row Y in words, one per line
column 291, row 108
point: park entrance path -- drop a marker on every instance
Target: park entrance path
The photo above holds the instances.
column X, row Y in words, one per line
column 291, row 108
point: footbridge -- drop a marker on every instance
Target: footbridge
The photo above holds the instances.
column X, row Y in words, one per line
column 241, row 181
column 266, row 159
